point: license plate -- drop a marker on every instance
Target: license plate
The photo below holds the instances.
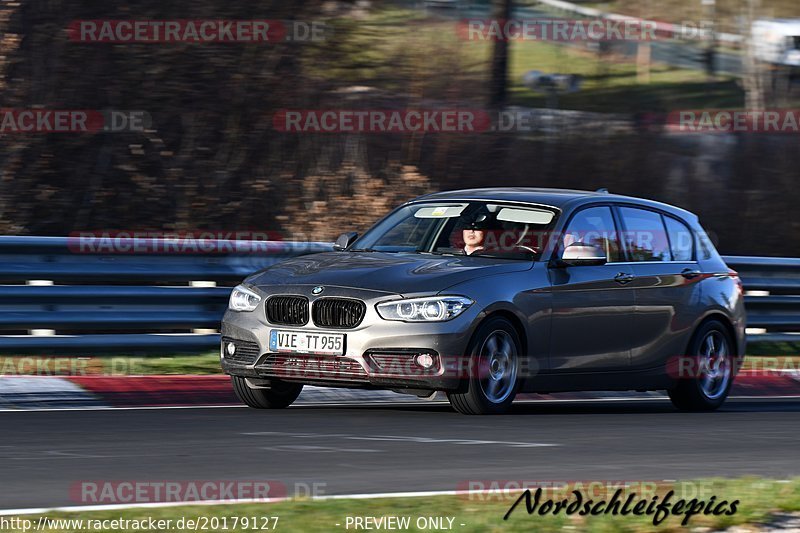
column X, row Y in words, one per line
column 306, row 342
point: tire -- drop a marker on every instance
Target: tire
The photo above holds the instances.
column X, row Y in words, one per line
column 708, row 386
column 281, row 395
column 493, row 372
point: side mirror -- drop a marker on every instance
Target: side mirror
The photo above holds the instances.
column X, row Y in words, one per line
column 580, row 254
column 344, row 241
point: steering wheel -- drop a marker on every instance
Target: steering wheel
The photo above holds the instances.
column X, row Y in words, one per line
column 527, row 248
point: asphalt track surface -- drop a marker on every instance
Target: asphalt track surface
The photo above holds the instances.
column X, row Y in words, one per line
column 390, row 448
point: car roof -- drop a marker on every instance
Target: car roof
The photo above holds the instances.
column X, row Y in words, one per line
column 563, row 199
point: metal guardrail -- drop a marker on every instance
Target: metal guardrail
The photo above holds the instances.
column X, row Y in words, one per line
column 103, row 297
column 772, row 297
column 103, row 302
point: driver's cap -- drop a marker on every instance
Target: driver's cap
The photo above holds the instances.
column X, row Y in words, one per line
column 480, row 222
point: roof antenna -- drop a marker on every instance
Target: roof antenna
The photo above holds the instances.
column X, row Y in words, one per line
column 602, row 190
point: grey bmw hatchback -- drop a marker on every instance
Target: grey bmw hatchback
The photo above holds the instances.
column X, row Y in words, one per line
column 487, row 293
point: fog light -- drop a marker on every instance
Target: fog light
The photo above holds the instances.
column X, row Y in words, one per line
column 425, row 360
column 230, row 348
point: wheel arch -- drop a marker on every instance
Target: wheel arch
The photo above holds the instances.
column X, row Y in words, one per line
column 513, row 319
column 726, row 322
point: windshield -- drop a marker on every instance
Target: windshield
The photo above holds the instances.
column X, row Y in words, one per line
column 462, row 228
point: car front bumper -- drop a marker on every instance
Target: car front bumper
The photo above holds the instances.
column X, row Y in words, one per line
column 378, row 353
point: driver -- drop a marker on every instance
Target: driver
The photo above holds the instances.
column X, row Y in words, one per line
column 474, row 235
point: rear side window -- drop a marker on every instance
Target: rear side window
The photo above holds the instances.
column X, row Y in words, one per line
column 645, row 236
column 595, row 226
column 681, row 240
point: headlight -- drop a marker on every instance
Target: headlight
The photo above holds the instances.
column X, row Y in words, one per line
column 243, row 299
column 433, row 309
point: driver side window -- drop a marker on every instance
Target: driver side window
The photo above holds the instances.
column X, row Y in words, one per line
column 595, row 226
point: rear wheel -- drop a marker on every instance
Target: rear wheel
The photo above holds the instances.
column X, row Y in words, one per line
column 493, row 371
column 278, row 396
column 708, row 386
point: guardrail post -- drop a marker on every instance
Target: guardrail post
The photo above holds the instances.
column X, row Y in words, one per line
column 204, row 284
column 756, row 331
column 40, row 283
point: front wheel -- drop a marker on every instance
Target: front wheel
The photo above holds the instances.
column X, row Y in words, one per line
column 492, row 380
column 278, row 396
column 708, row 386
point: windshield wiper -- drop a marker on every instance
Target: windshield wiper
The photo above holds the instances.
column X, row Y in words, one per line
column 361, row 250
column 449, row 254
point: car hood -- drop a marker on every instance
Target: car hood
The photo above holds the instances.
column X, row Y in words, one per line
column 398, row 273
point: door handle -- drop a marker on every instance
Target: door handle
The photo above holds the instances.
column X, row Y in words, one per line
column 690, row 273
column 623, row 278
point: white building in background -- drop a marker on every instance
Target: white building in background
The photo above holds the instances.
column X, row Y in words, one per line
column 777, row 41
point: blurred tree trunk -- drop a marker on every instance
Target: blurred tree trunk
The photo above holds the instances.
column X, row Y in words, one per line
column 498, row 89
column 753, row 75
